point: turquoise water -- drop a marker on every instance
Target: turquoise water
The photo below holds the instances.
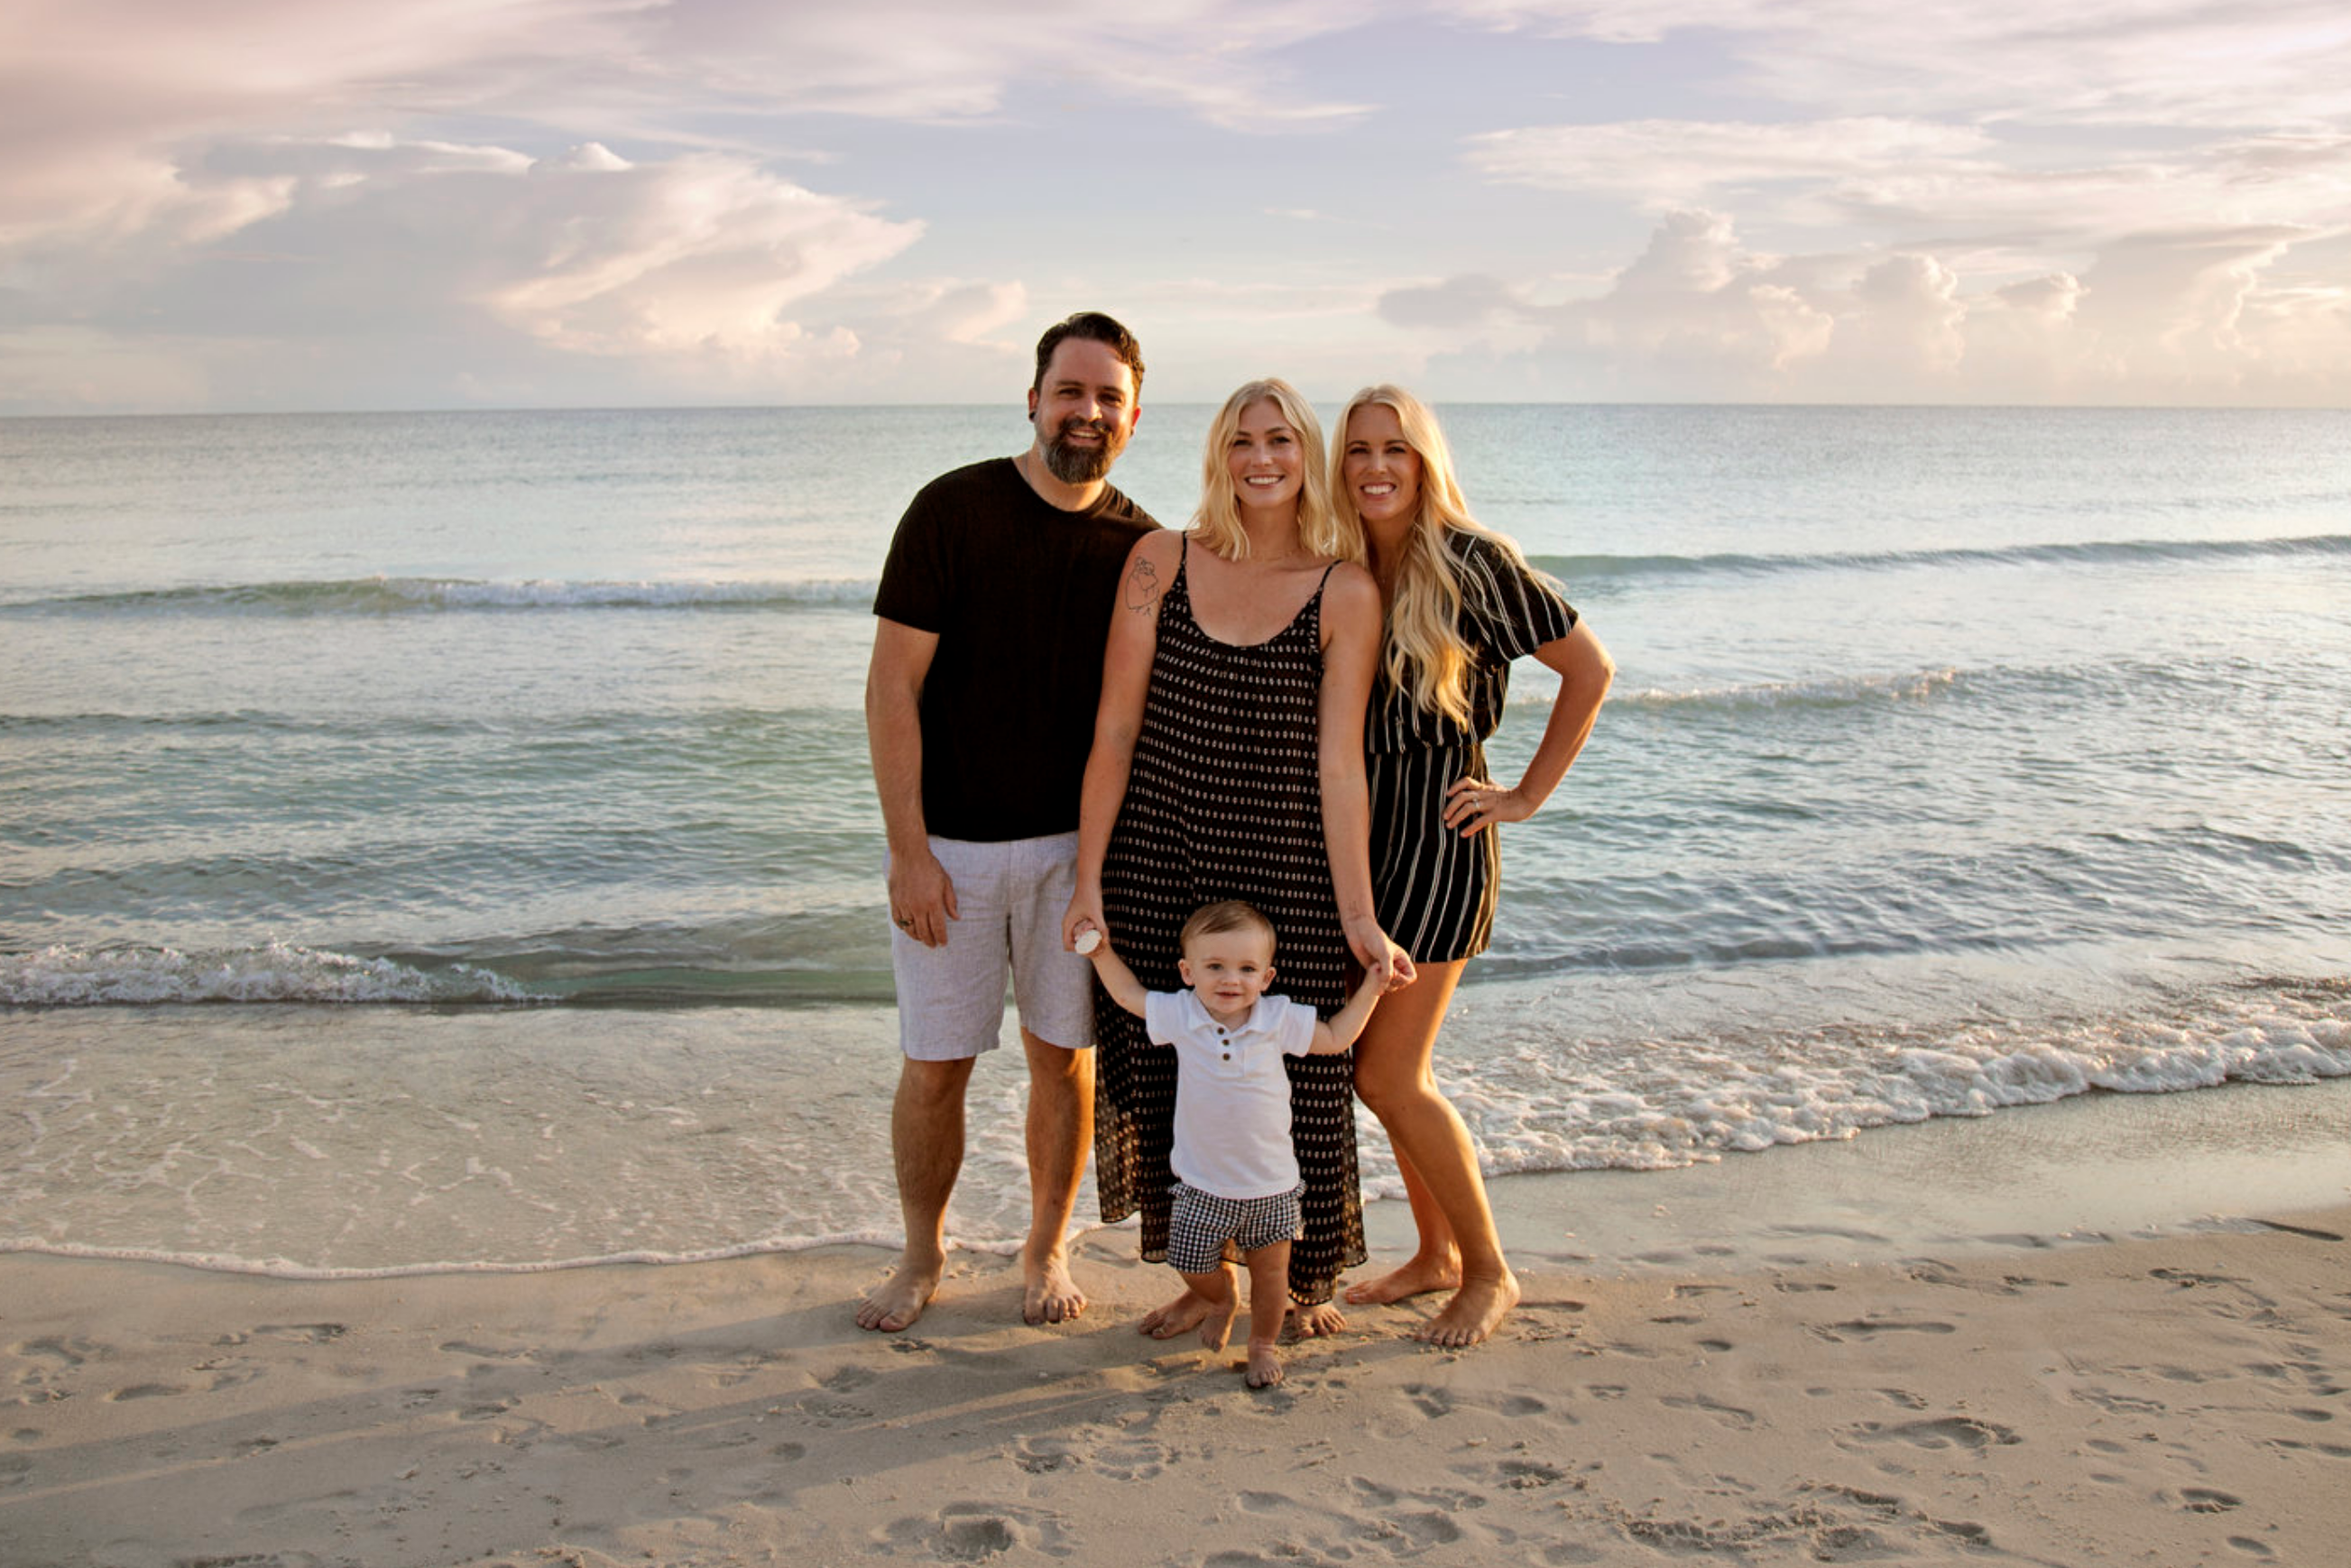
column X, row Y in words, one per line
column 1958, row 758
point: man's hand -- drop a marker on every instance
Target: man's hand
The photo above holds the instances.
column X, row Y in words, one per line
column 922, row 897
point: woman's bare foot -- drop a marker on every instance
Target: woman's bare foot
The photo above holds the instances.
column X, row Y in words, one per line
column 1218, row 1326
column 1416, row 1277
column 1264, row 1363
column 1048, row 1293
column 1316, row 1321
column 894, row 1304
column 1475, row 1308
column 1181, row 1315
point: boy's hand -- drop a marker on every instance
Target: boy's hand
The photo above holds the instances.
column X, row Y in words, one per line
column 1084, row 913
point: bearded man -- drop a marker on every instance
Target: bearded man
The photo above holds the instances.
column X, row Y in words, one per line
column 979, row 709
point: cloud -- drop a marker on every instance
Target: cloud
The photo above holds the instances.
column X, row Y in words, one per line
column 1926, row 179
column 2180, row 316
column 1665, row 160
column 2095, row 62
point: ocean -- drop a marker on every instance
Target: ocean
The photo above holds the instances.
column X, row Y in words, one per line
column 445, row 840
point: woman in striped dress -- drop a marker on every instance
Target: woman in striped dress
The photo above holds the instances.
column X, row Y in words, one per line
column 1227, row 762
column 1461, row 603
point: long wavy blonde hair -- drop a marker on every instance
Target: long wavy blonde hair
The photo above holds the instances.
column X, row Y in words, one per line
column 1219, row 516
column 1424, row 652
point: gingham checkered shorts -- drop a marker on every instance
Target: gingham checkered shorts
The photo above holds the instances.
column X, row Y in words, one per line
column 1200, row 1223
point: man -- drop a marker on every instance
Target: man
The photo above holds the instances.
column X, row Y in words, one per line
column 979, row 709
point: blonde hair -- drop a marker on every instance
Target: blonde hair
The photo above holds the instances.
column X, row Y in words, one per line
column 1219, row 516
column 1226, row 915
column 1424, row 652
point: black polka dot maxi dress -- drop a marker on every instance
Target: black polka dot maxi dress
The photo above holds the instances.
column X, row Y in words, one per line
column 1225, row 800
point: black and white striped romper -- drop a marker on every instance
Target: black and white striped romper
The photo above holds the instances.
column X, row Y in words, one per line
column 1225, row 800
column 1435, row 891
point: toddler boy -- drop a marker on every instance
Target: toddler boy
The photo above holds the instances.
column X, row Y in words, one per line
column 1237, row 1171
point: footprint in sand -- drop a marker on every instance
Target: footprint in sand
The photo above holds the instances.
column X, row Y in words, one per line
column 1946, row 1432
column 2203, row 1499
column 1043, row 1456
column 1868, row 1328
column 977, row 1532
column 1728, row 1414
column 144, row 1391
column 301, row 1333
column 1430, row 1402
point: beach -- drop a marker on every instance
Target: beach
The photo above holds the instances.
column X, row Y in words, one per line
column 447, row 1025
column 1971, row 1341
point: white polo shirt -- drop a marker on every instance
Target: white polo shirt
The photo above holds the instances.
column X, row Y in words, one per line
column 1232, row 1093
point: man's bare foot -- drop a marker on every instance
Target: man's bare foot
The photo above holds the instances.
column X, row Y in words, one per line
column 1416, row 1277
column 1048, row 1293
column 1264, row 1363
column 1315, row 1321
column 1473, row 1313
column 1178, row 1316
column 1218, row 1326
column 894, row 1304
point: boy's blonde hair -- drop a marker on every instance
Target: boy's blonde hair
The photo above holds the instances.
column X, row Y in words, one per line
column 1226, row 915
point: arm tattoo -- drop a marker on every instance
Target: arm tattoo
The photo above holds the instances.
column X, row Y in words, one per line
column 1143, row 587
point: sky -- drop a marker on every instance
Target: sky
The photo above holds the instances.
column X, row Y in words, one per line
column 292, row 204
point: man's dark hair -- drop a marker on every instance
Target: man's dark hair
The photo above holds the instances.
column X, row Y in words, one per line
column 1096, row 327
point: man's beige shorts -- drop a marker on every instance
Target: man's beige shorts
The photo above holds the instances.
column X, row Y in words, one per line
column 1010, row 899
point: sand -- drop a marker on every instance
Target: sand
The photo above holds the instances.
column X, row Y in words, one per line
column 1800, row 1389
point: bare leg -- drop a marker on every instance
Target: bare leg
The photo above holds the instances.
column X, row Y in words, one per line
column 1394, row 1076
column 1190, row 1310
column 1435, row 1262
column 1224, row 1303
column 1061, row 1130
column 926, row 1147
column 1268, row 1269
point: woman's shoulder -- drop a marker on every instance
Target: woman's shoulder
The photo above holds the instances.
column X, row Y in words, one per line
column 1489, row 553
column 1347, row 577
column 1161, row 546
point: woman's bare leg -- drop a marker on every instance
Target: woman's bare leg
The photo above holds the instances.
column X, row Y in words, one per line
column 1436, row 1261
column 1394, row 1076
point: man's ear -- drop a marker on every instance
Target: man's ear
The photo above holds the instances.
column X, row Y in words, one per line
column 1032, row 405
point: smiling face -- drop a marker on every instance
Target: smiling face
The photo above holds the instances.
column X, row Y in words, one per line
column 1379, row 466
column 1228, row 970
column 1084, row 410
column 1266, row 458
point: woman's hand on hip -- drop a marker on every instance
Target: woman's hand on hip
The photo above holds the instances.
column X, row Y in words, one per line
column 1473, row 805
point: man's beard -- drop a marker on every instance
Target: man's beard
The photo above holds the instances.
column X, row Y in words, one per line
column 1073, row 465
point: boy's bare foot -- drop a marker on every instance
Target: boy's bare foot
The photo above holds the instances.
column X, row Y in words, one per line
column 1178, row 1316
column 1218, row 1326
column 1475, row 1308
column 894, row 1304
column 1264, row 1364
column 1048, row 1293
column 1417, row 1276
column 1317, row 1321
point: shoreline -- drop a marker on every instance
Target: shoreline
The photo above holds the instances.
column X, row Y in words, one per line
column 1759, row 1380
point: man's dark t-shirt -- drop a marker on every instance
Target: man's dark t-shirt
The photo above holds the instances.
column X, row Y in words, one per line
column 1019, row 594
